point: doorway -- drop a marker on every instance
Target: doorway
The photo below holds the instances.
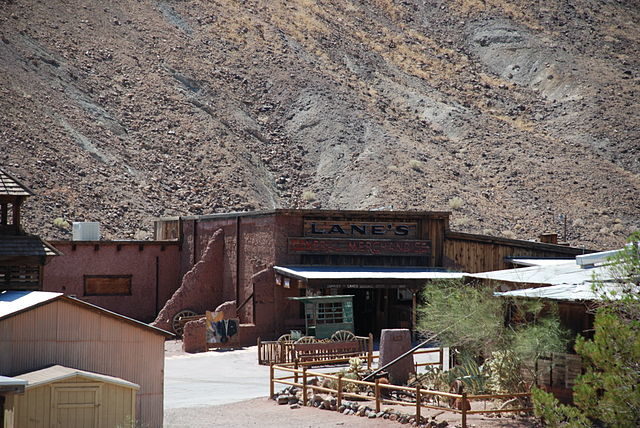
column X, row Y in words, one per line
column 76, row 406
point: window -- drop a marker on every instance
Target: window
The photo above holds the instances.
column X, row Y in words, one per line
column 107, row 285
column 329, row 313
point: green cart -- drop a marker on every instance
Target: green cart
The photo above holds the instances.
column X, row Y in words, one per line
column 328, row 316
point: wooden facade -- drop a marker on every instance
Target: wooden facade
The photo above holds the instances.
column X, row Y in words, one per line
column 75, row 334
column 254, row 242
column 473, row 253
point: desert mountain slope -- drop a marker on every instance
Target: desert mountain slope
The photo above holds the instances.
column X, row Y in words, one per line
column 510, row 114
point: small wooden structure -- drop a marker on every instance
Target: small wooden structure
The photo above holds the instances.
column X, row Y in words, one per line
column 326, row 315
column 22, row 256
column 65, row 397
column 38, row 329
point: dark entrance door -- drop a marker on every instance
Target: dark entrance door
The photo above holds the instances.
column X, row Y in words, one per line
column 375, row 309
column 364, row 309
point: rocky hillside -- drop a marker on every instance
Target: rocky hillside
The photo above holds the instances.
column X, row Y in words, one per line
column 510, row 114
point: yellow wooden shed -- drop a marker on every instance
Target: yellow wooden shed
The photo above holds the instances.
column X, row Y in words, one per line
column 64, row 397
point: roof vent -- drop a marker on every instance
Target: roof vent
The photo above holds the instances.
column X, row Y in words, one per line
column 86, row 231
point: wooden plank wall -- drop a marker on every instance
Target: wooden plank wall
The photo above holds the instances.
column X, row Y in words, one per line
column 479, row 253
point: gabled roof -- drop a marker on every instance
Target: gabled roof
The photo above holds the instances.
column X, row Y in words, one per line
column 25, row 246
column 57, row 373
column 10, row 186
column 15, row 302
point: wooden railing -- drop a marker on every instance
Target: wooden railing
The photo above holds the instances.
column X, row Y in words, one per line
column 277, row 352
column 297, row 374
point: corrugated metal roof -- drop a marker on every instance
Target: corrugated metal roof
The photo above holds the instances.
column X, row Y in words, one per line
column 349, row 272
column 25, row 246
column 553, row 274
column 537, row 262
column 13, row 302
column 10, row 186
column 568, row 292
column 562, row 279
column 56, row 373
column 11, row 381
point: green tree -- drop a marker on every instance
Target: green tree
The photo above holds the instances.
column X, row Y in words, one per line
column 471, row 319
column 467, row 317
column 609, row 390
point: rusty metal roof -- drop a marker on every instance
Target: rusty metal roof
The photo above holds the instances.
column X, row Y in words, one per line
column 25, row 246
column 10, row 186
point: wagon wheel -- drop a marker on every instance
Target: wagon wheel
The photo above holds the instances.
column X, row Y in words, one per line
column 175, row 323
column 285, row 338
column 306, row 339
column 343, row 336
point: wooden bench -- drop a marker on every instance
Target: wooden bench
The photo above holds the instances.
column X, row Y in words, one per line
column 328, row 351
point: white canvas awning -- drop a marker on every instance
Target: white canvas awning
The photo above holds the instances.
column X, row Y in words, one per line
column 365, row 276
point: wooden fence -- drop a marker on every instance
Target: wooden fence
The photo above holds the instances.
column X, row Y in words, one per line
column 298, row 374
column 282, row 352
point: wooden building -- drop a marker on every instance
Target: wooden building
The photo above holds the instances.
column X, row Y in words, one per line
column 39, row 329
column 22, row 256
column 60, row 396
column 382, row 258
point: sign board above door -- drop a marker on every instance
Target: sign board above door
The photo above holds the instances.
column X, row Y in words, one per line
column 360, row 229
column 369, row 247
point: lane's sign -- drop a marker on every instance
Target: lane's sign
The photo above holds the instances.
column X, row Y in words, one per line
column 357, row 247
column 360, row 229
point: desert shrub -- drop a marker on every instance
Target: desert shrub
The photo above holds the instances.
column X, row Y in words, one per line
column 503, row 372
column 61, row 223
column 415, row 165
column 456, row 203
column 509, row 234
column 308, row 196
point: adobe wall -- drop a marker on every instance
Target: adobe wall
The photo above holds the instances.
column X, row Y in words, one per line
column 263, row 242
column 153, row 266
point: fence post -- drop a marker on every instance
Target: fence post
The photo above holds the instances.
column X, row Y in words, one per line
column 418, row 407
column 259, row 352
column 370, row 352
column 304, row 385
column 339, row 402
column 464, row 410
column 295, row 374
column 271, row 389
column 377, row 391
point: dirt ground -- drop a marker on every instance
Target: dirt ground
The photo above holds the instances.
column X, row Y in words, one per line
column 261, row 411
column 266, row 413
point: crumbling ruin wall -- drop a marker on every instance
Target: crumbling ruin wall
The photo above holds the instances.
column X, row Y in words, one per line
column 201, row 287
